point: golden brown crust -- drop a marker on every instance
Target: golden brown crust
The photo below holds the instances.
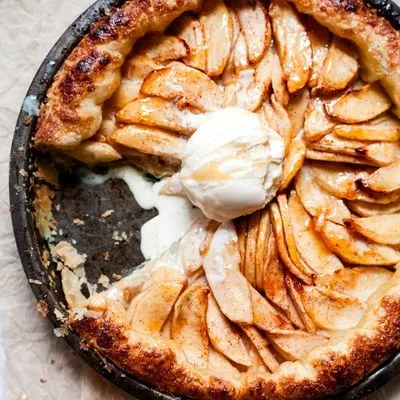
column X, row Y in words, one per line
column 325, row 371
column 91, row 73
column 376, row 39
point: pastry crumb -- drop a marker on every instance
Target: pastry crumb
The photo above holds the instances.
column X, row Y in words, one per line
column 35, row 282
column 106, row 255
column 107, row 213
column 42, row 308
column 117, row 277
column 69, row 255
column 104, row 281
column 59, row 315
column 58, row 332
column 79, row 222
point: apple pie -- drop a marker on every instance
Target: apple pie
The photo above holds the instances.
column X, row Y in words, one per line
column 279, row 120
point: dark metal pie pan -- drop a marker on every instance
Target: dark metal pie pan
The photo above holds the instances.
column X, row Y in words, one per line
column 77, row 199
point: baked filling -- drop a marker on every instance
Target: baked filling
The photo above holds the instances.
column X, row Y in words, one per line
column 279, row 121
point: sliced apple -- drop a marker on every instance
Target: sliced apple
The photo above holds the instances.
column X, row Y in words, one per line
column 151, row 308
column 278, row 119
column 338, row 180
column 360, row 105
column 134, row 71
column 289, row 236
column 161, row 113
column 149, row 140
column 274, row 279
column 381, row 153
column 217, row 26
column 353, row 249
column 317, row 122
column 256, row 27
column 189, row 326
column 240, row 57
column 383, row 128
column 277, row 225
column 161, row 47
column 294, row 288
column 264, row 234
column 241, row 231
column 383, row 180
column 296, row 345
column 278, row 83
column 359, row 282
column 384, row 229
column 229, row 287
column 331, row 310
column 251, row 248
column 220, row 365
column 365, row 209
column 293, row 162
column 335, row 144
column 223, row 335
column 164, row 274
column 266, row 317
column 339, row 69
column 296, row 109
column 294, row 47
column 261, row 344
column 319, row 38
column 318, row 202
column 309, row 244
column 91, row 152
column 336, row 158
column 190, row 30
column 188, row 84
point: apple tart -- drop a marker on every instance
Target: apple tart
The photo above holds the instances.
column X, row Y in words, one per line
column 297, row 296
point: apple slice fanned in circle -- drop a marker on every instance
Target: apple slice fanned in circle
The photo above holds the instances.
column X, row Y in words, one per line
column 294, row 287
column 360, row 105
column 266, row 317
column 320, row 39
column 296, row 110
column 91, row 152
column 293, row 161
column 263, row 254
column 219, row 364
column 309, row 244
column 383, row 180
column 317, row 122
column 318, row 202
column 331, row 310
column 339, row 69
column 134, row 71
column 161, row 113
column 365, row 209
column 277, row 224
column 255, row 25
column 294, row 47
column 384, row 229
column 317, row 155
column 381, row 153
column 253, row 225
column 278, row 83
column 289, row 236
column 149, row 140
column 295, row 345
column 190, row 30
column 229, row 287
column 189, row 85
column 223, row 335
column 359, row 282
column 383, row 128
column 150, row 309
column 335, row 144
column 217, row 26
column 355, row 250
column 262, row 346
column 189, row 326
column 162, row 47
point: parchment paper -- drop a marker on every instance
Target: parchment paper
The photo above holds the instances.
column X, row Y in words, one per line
column 34, row 364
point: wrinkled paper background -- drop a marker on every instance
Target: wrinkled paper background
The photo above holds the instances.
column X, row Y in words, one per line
column 34, row 364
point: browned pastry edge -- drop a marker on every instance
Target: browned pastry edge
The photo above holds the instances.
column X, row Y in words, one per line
column 326, row 370
column 72, row 111
column 376, row 39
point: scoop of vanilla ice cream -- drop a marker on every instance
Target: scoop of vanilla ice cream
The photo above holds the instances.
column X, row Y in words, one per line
column 232, row 164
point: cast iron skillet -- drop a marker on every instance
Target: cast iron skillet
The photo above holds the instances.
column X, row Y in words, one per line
column 95, row 237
